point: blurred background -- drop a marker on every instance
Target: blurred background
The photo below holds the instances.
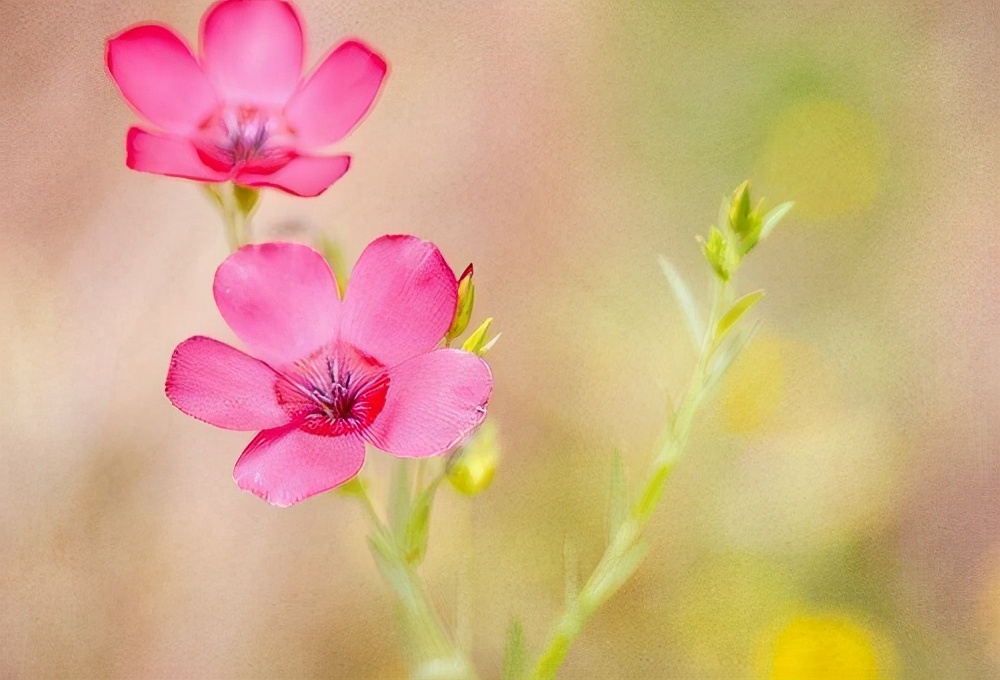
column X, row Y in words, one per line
column 837, row 514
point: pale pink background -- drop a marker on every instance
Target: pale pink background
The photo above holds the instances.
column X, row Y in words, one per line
column 560, row 146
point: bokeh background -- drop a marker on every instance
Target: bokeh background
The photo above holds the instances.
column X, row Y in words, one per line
column 840, row 500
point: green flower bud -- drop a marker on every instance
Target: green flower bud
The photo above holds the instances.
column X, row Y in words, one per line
column 746, row 222
column 718, row 253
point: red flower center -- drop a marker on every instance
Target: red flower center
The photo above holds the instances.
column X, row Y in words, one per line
column 244, row 138
column 337, row 391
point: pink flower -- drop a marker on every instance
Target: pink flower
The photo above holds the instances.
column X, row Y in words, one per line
column 332, row 374
column 243, row 112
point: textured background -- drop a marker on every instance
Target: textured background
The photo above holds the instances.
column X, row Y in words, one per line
column 845, row 483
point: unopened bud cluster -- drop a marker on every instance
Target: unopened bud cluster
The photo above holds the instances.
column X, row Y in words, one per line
column 741, row 227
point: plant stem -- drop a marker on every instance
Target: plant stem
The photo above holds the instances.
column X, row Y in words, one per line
column 237, row 225
column 430, row 650
column 237, row 222
column 626, row 548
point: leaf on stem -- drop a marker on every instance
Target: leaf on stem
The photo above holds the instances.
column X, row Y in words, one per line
column 727, row 356
column 619, row 500
column 515, row 656
column 772, row 218
column 608, row 581
column 684, row 299
column 735, row 313
column 414, row 541
column 215, row 194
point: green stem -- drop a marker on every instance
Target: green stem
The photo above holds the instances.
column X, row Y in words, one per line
column 626, row 548
column 237, row 220
column 431, row 652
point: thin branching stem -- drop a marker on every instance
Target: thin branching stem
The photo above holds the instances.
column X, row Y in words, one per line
column 626, row 547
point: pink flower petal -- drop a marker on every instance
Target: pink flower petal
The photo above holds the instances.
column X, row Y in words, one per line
column 280, row 299
column 220, row 385
column 434, row 402
column 400, row 300
column 253, row 51
column 286, row 465
column 165, row 155
column 336, row 96
column 157, row 74
column 302, row 176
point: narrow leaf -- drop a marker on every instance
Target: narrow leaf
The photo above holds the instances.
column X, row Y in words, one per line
column 728, row 355
column 418, row 526
column 610, row 580
column 772, row 218
column 215, row 194
column 515, row 656
column 684, row 299
column 619, row 500
column 475, row 342
column 735, row 313
column 489, row 345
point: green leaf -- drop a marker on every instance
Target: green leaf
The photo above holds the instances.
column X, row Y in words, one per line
column 477, row 343
column 684, row 299
column 735, row 313
column 652, row 493
column 247, row 198
column 215, row 194
column 606, row 582
column 414, row 542
column 728, row 355
column 515, row 655
column 619, row 501
column 772, row 218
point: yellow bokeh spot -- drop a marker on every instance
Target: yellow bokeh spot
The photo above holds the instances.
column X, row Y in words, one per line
column 825, row 156
column 777, row 384
column 824, row 648
column 753, row 389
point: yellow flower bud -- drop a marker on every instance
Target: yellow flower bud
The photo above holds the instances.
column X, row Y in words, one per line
column 470, row 469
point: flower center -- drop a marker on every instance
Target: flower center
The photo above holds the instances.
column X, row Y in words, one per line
column 338, row 391
column 244, row 138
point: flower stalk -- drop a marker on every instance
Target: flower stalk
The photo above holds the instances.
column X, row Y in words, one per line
column 718, row 348
column 238, row 204
column 398, row 548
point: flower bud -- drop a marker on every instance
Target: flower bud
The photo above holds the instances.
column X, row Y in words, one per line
column 718, row 253
column 470, row 468
column 745, row 221
column 463, row 308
